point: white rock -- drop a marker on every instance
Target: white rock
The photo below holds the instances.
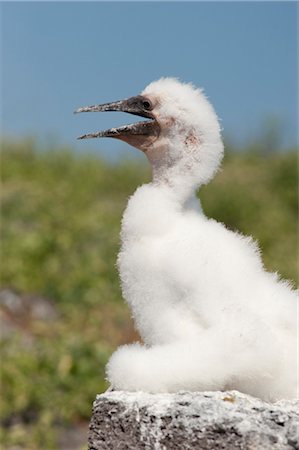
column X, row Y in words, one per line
column 199, row 420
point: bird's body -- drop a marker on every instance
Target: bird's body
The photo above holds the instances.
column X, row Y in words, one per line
column 209, row 314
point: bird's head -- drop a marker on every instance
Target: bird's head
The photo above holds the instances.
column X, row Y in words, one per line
column 181, row 136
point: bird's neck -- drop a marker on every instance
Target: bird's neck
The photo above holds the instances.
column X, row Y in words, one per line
column 183, row 168
column 154, row 209
column 176, row 181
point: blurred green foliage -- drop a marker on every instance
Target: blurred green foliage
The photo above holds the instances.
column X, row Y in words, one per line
column 61, row 214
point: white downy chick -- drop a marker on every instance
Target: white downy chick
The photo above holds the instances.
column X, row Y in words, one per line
column 210, row 316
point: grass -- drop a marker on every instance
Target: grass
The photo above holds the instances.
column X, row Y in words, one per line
column 61, row 215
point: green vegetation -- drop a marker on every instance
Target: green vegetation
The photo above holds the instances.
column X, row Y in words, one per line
column 61, row 217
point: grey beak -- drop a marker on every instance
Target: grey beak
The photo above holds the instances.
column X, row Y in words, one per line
column 139, row 106
column 114, row 106
column 137, row 129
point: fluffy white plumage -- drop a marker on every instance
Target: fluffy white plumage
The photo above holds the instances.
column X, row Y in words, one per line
column 210, row 316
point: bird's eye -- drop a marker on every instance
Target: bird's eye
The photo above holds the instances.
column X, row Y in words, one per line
column 147, row 105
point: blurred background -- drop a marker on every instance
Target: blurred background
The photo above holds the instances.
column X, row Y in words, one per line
column 61, row 310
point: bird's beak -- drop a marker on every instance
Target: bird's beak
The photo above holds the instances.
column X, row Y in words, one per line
column 138, row 134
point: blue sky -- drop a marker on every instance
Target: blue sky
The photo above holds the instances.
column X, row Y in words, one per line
column 61, row 55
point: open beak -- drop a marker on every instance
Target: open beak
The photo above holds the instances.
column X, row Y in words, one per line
column 137, row 134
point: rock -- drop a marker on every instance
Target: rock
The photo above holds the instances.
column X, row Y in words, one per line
column 25, row 306
column 192, row 420
column 18, row 313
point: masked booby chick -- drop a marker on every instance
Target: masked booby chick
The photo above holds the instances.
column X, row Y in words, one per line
column 210, row 316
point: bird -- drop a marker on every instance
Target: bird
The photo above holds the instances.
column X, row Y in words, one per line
column 209, row 314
